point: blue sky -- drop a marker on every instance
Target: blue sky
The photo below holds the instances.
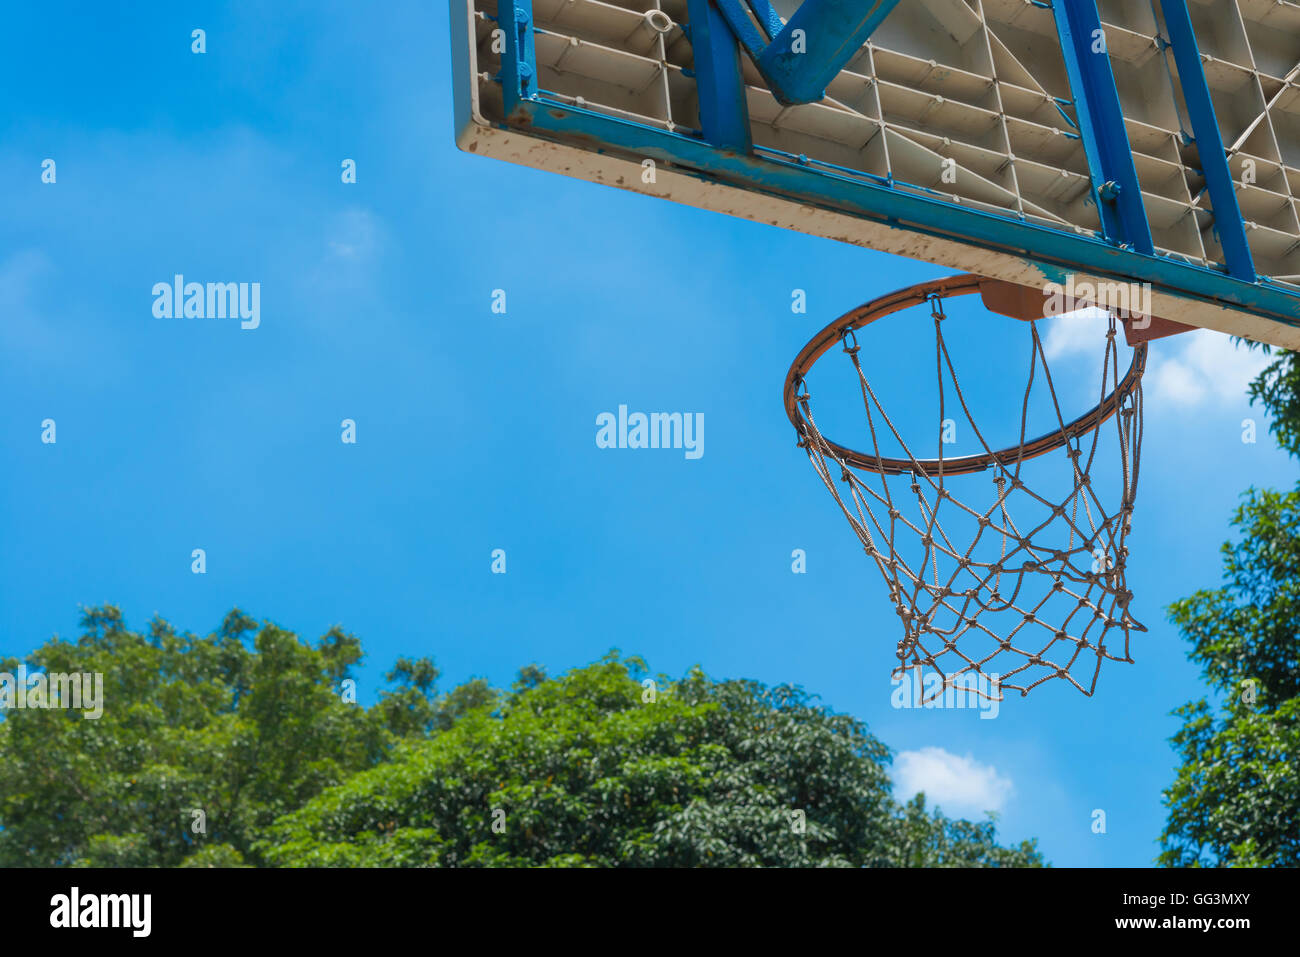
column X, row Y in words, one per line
column 475, row 430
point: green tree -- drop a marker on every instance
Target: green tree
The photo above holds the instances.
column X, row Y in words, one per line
column 1277, row 389
column 596, row 768
column 242, row 725
column 1236, row 798
column 251, row 727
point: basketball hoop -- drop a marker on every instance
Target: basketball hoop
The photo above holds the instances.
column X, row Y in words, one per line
column 1050, row 579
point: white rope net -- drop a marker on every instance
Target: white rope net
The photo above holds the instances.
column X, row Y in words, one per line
column 1038, row 590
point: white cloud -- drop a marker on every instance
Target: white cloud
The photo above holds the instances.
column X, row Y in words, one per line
column 1082, row 332
column 1186, row 370
column 24, row 328
column 959, row 785
column 43, row 330
column 1198, row 366
column 358, row 235
column 354, row 243
column 1175, row 383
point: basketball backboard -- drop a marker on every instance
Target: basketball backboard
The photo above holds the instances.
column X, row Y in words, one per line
column 1088, row 141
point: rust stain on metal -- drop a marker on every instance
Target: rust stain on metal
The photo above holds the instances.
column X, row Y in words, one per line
column 1156, row 327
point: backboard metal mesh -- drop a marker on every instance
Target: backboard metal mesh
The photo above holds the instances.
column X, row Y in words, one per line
column 980, row 84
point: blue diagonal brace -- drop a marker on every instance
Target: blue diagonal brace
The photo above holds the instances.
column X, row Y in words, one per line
column 751, row 37
column 724, row 115
column 816, row 42
column 519, row 60
column 1115, row 186
column 767, row 18
column 1209, row 142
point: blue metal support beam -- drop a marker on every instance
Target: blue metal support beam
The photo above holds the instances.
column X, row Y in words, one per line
column 818, row 40
column 806, row 53
column 723, row 112
column 1209, row 142
column 751, row 37
column 1115, row 186
column 1058, row 252
column 519, row 60
column 767, row 18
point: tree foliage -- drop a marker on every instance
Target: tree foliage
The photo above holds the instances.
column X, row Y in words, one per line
column 241, row 725
column 1236, row 799
column 250, row 726
column 1277, row 388
column 587, row 771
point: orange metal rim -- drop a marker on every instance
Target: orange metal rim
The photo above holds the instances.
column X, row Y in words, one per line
column 863, row 315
